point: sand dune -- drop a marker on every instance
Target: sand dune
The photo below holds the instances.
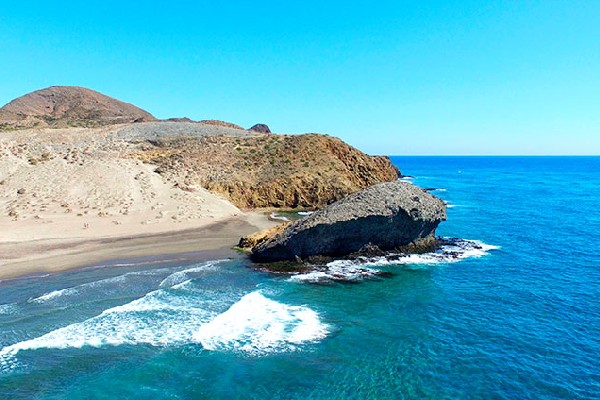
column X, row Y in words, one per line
column 60, row 188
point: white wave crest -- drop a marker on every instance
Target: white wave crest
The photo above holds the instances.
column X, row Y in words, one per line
column 76, row 290
column 258, row 325
column 179, row 277
column 336, row 271
column 10, row 308
column 54, row 295
column 109, row 283
column 453, row 250
column 279, row 217
column 160, row 318
column 170, row 317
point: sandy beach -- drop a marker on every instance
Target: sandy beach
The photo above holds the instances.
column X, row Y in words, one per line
column 72, row 197
column 27, row 257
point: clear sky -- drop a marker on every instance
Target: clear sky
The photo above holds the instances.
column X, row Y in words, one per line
column 397, row 77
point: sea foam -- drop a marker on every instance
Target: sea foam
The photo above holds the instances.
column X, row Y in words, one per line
column 258, row 325
column 116, row 284
column 10, row 308
column 182, row 276
column 180, row 315
column 279, row 217
column 451, row 251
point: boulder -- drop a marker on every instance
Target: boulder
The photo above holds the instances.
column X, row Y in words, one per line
column 391, row 215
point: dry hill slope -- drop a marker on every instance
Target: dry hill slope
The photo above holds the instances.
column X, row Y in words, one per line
column 64, row 106
column 250, row 168
column 266, row 170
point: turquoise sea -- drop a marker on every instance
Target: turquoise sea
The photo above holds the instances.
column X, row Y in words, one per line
column 513, row 315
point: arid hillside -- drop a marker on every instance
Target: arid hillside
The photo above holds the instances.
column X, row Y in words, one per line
column 86, row 153
column 267, row 170
column 65, row 106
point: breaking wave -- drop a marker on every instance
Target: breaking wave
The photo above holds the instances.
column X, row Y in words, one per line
column 452, row 250
column 10, row 308
column 182, row 314
column 182, row 276
column 258, row 325
column 118, row 284
column 278, row 217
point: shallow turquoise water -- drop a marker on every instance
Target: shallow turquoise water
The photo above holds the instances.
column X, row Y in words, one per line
column 521, row 321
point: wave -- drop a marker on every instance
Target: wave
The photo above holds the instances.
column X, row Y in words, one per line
column 10, row 308
column 108, row 284
column 182, row 276
column 337, row 271
column 258, row 325
column 54, row 295
column 177, row 316
column 452, row 250
column 160, row 318
column 76, row 290
column 279, row 217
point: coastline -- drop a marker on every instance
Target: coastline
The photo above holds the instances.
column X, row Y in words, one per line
column 28, row 257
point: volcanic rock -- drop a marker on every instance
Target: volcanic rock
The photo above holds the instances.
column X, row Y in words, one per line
column 392, row 215
column 260, row 128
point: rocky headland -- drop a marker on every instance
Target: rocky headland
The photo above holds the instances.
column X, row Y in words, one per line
column 76, row 164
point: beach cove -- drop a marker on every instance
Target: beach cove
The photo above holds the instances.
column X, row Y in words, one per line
column 464, row 327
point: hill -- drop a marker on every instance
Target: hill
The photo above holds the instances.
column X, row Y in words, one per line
column 267, row 170
column 64, row 106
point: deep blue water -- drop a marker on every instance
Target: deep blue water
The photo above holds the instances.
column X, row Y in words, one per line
column 521, row 321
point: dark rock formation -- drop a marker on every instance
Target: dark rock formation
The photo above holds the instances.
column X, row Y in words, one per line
column 393, row 215
column 64, row 106
column 261, row 128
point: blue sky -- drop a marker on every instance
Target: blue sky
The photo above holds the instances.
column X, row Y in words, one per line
column 420, row 77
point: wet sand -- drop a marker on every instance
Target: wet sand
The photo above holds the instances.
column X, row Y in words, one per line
column 53, row 255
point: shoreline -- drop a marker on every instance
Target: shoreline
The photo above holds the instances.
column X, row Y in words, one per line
column 43, row 256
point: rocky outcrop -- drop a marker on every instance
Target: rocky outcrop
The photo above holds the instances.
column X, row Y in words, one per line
column 393, row 215
column 260, row 128
column 254, row 170
column 255, row 239
column 65, row 106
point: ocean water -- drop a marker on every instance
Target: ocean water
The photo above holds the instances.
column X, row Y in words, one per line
column 515, row 314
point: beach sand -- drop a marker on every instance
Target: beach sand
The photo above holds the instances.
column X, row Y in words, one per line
column 71, row 197
column 48, row 255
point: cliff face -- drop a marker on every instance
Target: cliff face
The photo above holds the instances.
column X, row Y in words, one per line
column 64, row 106
column 259, row 170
